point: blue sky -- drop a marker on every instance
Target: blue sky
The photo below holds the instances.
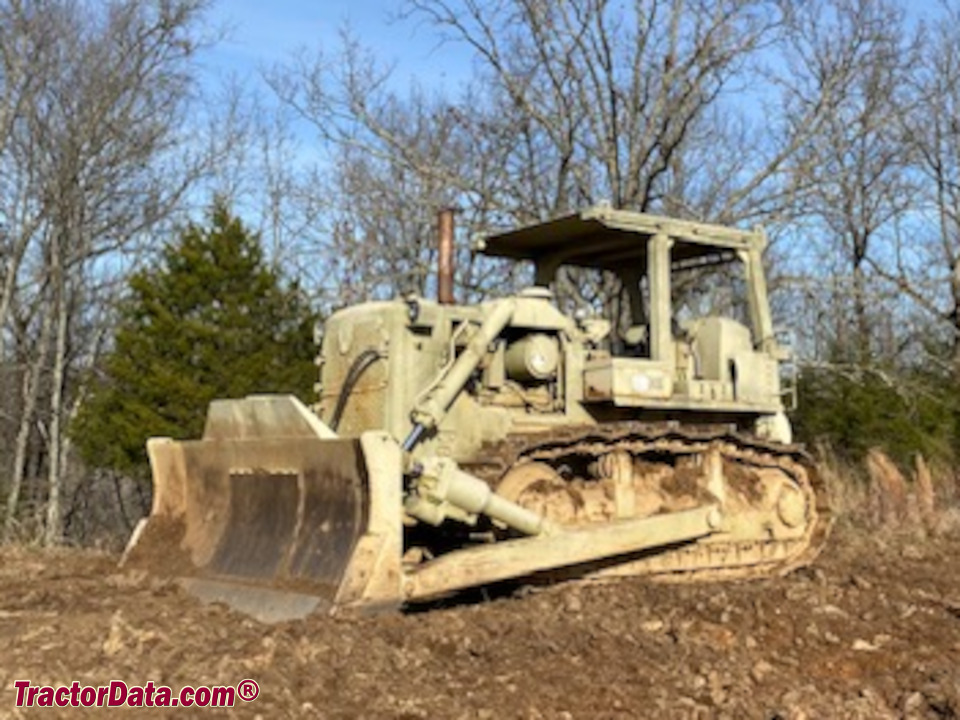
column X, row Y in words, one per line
column 264, row 33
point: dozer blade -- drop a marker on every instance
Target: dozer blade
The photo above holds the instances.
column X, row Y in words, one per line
column 271, row 514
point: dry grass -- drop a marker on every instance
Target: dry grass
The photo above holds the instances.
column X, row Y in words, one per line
column 879, row 496
column 26, row 531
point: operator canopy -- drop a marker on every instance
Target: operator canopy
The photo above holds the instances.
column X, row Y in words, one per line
column 607, row 239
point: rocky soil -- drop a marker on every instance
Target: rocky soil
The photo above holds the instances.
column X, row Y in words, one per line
column 871, row 631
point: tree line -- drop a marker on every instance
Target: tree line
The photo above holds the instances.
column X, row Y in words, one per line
column 834, row 123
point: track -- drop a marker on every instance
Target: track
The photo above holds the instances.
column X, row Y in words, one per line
column 750, row 551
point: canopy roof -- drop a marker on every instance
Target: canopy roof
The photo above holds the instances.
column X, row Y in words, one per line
column 607, row 239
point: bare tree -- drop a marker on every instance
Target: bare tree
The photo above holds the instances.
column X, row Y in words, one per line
column 98, row 157
column 924, row 264
column 693, row 108
column 610, row 102
column 854, row 174
column 26, row 48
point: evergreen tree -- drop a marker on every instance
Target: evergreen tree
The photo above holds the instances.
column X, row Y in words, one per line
column 903, row 412
column 211, row 321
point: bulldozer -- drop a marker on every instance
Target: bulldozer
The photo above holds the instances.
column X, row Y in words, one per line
column 458, row 446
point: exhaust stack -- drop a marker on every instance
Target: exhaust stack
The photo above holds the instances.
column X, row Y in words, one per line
column 445, row 259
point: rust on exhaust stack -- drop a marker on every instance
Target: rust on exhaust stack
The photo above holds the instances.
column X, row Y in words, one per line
column 445, row 260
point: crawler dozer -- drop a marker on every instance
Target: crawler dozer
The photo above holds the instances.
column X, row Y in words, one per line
column 456, row 446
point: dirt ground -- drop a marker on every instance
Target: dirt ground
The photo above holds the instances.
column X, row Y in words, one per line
column 871, row 631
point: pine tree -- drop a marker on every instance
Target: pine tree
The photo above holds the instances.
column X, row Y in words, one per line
column 211, row 321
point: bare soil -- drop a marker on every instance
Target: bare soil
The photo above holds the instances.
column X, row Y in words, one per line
column 871, row 631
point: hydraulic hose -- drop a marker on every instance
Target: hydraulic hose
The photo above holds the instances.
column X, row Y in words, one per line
column 359, row 366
